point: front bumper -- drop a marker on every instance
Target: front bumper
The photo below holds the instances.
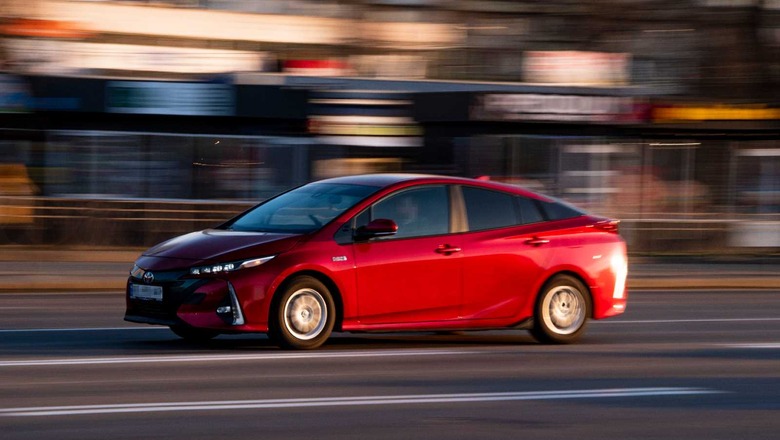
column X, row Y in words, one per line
column 185, row 301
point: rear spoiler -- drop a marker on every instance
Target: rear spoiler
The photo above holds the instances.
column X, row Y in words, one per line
column 608, row 225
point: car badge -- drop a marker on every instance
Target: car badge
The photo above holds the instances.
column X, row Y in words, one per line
column 148, row 278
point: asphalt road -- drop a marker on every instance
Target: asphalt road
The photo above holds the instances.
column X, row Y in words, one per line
column 678, row 364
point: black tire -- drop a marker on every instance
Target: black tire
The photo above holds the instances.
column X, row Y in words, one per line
column 304, row 315
column 562, row 311
column 193, row 334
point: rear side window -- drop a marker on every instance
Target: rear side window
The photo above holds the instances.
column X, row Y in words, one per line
column 486, row 209
column 530, row 210
column 558, row 210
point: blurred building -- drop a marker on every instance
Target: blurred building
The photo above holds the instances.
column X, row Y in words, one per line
column 664, row 113
column 712, row 48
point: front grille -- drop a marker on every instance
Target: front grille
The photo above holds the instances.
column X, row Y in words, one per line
column 177, row 290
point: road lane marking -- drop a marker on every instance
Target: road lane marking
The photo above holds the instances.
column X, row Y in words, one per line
column 350, row 401
column 230, row 357
column 759, row 345
column 78, row 329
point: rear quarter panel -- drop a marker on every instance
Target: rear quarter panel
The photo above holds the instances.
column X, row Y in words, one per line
column 592, row 256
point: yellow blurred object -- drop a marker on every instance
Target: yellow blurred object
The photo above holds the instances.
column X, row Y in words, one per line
column 14, row 181
column 715, row 113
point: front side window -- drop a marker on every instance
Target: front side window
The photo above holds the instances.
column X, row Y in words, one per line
column 302, row 210
column 418, row 212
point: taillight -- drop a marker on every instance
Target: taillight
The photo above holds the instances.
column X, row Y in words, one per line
column 619, row 265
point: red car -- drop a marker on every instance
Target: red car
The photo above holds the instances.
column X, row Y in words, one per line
column 387, row 252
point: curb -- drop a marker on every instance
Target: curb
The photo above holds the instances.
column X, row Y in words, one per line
column 70, row 256
column 54, row 284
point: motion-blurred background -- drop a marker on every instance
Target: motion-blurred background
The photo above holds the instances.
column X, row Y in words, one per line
column 123, row 123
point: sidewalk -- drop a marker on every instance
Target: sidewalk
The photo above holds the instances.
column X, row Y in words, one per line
column 74, row 269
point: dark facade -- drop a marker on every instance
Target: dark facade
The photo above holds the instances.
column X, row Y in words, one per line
column 612, row 150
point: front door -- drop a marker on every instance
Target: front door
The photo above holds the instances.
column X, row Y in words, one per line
column 415, row 275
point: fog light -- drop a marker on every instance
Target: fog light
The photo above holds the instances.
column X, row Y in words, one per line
column 230, row 309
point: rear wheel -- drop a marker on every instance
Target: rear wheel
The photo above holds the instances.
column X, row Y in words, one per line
column 193, row 334
column 562, row 311
column 304, row 315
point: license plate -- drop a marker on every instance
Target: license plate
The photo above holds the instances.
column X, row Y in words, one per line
column 141, row 291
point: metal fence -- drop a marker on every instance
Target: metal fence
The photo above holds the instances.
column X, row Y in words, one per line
column 135, row 189
column 54, row 221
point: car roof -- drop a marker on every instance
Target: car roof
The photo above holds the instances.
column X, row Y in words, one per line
column 392, row 179
column 381, row 180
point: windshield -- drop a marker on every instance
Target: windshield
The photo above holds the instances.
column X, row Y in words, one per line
column 303, row 209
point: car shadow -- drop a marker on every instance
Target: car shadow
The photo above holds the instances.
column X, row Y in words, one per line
column 342, row 341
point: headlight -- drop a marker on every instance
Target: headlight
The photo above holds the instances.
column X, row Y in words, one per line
column 228, row 267
column 137, row 272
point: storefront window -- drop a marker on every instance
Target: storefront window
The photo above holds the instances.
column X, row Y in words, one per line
column 94, row 164
column 602, row 176
column 670, row 179
column 123, row 165
column 527, row 161
column 757, row 179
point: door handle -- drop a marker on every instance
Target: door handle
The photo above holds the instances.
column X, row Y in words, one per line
column 536, row 241
column 447, row 249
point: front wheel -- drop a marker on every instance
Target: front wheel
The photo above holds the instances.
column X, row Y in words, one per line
column 304, row 315
column 562, row 311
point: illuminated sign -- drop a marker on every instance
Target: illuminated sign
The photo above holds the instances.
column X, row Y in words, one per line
column 44, row 28
column 326, row 67
column 366, row 131
column 14, row 94
column 348, row 126
column 576, row 67
column 137, row 18
column 537, row 107
column 56, row 56
column 169, row 98
column 715, row 113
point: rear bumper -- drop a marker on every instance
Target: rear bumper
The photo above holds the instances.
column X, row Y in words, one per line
column 617, row 308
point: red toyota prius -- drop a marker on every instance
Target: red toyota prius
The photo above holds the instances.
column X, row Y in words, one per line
column 387, row 252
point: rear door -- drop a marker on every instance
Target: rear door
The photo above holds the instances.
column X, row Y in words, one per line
column 505, row 252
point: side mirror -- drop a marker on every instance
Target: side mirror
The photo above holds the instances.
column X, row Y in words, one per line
column 380, row 227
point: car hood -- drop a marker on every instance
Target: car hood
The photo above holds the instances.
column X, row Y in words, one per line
column 213, row 245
